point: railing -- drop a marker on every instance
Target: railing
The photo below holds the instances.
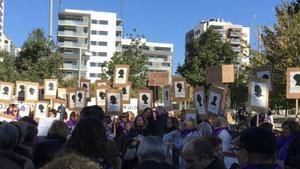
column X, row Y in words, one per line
column 71, row 33
column 72, row 44
column 70, row 22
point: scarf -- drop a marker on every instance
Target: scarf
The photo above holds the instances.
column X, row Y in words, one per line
column 217, row 131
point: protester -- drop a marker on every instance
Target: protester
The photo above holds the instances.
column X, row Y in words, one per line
column 161, row 120
column 216, row 142
column 151, row 121
column 72, row 120
column 152, row 154
column 289, row 154
column 255, row 149
column 199, row 154
column 205, row 129
column 221, row 130
column 47, row 148
column 89, row 139
column 72, row 161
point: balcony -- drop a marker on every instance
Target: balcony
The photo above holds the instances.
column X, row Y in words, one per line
column 69, row 44
column 67, row 66
column 236, row 49
column 74, row 56
column 73, row 23
column 235, row 41
column 118, row 38
column 118, row 49
column 119, row 28
column 72, row 33
column 235, row 34
column 157, row 52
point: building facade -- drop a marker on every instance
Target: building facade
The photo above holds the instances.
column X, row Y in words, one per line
column 237, row 35
column 159, row 55
column 87, row 38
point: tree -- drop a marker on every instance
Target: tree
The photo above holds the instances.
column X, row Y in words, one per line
column 137, row 61
column 37, row 59
column 208, row 50
column 282, row 50
column 8, row 71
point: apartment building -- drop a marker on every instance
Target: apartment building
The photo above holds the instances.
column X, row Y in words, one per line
column 159, row 55
column 87, row 38
column 237, row 35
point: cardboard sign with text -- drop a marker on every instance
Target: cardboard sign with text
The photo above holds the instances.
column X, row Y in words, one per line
column 158, row 78
column 220, row 74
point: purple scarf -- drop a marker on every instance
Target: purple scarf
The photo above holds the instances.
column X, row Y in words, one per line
column 71, row 123
column 283, row 151
column 217, row 131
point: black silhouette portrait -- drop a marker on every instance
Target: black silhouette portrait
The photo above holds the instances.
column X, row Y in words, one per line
column 41, row 108
column 73, row 98
column 167, row 95
column 179, row 86
column 51, row 86
column 113, row 100
column 297, row 79
column 21, row 93
column 214, row 101
column 102, row 95
column 5, row 90
column 124, row 90
column 257, row 90
column 145, row 99
column 265, row 76
column 199, row 100
column 79, row 97
column 85, row 85
column 31, row 91
column 121, row 73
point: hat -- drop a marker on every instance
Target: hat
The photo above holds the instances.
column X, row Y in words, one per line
column 258, row 140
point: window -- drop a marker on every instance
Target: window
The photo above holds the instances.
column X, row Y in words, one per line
column 166, row 64
column 93, row 43
column 103, row 22
column 92, row 75
column 94, row 53
column 92, row 64
column 102, row 54
column 98, row 74
column 94, row 21
column 102, row 43
column 93, row 32
column 99, row 64
column 103, row 33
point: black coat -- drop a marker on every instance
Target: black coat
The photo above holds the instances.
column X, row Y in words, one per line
column 293, row 153
column 216, row 164
column 9, row 160
column 151, row 164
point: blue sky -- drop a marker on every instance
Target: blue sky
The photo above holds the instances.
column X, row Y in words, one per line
column 159, row 20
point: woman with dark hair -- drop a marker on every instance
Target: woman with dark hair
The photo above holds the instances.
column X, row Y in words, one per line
column 289, row 154
column 72, row 120
column 136, row 134
column 89, row 139
column 148, row 115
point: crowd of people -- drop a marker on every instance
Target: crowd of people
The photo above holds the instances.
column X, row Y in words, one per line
column 153, row 139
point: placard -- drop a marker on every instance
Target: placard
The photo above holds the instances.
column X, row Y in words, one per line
column 62, row 93
column 190, row 114
column 215, row 97
column 50, row 87
column 121, row 75
column 6, row 91
column 199, row 100
column 32, row 91
column 179, row 87
column 20, row 90
column 258, row 94
column 144, row 100
column 71, row 98
column 158, row 78
column 293, row 83
column 86, row 85
column 101, row 96
column 80, row 98
column 167, row 97
column 220, row 74
column 102, row 83
column 126, row 93
column 265, row 73
column 41, row 109
column 113, row 101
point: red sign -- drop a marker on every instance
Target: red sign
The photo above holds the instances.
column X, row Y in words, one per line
column 158, row 78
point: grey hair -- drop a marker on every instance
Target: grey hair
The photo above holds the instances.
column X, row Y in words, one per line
column 152, row 147
column 8, row 136
column 205, row 128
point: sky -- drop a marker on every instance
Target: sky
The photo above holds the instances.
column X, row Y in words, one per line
column 164, row 21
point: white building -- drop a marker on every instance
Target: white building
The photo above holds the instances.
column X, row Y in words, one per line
column 94, row 36
column 237, row 35
column 9, row 46
column 159, row 55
